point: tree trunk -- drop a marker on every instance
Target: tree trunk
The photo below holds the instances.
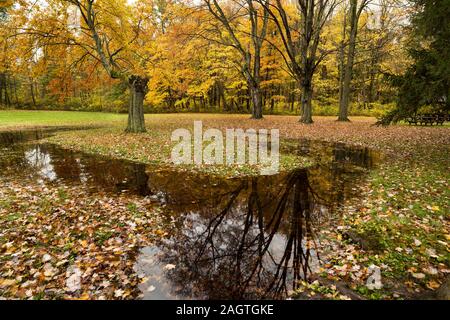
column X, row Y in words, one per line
column 341, row 69
column 15, row 91
column 138, row 90
column 32, row 91
column 342, row 58
column 11, row 90
column 247, row 103
column 7, row 99
column 222, row 95
column 348, row 69
column 1, row 88
column 306, row 102
column 256, row 103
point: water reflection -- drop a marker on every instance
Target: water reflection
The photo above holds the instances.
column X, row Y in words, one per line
column 248, row 238
column 335, row 153
column 53, row 164
column 40, row 161
column 254, row 242
column 242, row 238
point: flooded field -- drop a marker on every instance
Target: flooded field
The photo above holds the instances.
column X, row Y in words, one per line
column 234, row 238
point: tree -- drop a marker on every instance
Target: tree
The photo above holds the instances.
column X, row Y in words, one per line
column 112, row 34
column 302, row 54
column 380, row 50
column 251, row 56
column 346, row 70
column 110, row 58
column 251, row 53
column 427, row 81
column 4, row 57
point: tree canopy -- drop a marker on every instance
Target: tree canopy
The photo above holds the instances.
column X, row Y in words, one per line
column 311, row 57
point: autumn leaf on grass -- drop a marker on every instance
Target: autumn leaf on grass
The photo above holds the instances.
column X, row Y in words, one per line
column 418, row 275
column 6, row 283
column 433, row 285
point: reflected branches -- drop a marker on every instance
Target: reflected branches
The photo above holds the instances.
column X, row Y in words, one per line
column 251, row 248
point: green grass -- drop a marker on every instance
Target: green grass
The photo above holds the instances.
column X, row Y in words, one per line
column 10, row 119
column 22, row 118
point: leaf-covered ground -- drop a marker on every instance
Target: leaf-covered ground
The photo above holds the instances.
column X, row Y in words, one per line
column 155, row 146
column 400, row 223
column 60, row 242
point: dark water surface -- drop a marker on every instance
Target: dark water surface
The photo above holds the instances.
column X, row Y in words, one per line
column 239, row 238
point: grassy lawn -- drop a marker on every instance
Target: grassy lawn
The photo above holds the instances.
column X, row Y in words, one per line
column 10, row 119
column 401, row 218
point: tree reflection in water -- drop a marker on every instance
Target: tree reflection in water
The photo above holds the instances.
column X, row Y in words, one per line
column 249, row 238
column 255, row 246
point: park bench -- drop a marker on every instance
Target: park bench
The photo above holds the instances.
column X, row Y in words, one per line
column 428, row 119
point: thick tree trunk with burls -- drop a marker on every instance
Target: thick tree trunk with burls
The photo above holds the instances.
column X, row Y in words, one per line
column 138, row 90
column 257, row 112
column 306, row 87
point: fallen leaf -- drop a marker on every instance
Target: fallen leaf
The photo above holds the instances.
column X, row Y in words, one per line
column 169, row 266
